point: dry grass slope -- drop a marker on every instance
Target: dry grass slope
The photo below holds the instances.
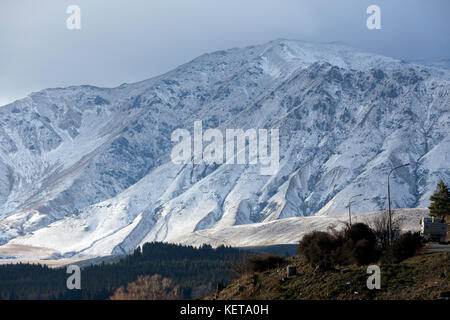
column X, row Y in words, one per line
column 425, row 276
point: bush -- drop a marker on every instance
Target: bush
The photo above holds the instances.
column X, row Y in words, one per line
column 360, row 231
column 355, row 244
column 404, row 247
column 318, row 246
column 259, row 263
column 155, row 287
column 380, row 225
column 361, row 243
column 364, row 252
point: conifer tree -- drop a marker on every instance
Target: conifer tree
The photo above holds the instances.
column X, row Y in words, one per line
column 440, row 202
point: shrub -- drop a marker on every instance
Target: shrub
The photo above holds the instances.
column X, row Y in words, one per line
column 259, row 263
column 360, row 243
column 404, row 247
column 355, row 244
column 380, row 225
column 360, row 231
column 364, row 252
column 149, row 288
column 318, row 246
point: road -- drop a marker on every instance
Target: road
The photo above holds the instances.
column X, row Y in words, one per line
column 438, row 248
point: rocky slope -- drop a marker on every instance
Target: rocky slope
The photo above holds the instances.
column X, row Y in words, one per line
column 87, row 170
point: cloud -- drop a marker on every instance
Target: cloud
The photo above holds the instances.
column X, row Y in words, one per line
column 127, row 41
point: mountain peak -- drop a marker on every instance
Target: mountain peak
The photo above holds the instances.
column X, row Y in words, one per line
column 87, row 170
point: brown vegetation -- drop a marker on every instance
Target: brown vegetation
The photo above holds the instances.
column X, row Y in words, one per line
column 355, row 244
column 149, row 288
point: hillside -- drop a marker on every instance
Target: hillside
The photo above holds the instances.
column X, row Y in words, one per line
column 86, row 171
column 423, row 277
column 278, row 232
column 291, row 230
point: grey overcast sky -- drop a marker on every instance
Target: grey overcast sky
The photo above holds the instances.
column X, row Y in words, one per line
column 131, row 40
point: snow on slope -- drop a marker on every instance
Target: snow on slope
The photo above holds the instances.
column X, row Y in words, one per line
column 289, row 230
column 282, row 231
column 86, row 170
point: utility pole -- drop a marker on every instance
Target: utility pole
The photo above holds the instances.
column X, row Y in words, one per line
column 349, row 208
column 389, row 200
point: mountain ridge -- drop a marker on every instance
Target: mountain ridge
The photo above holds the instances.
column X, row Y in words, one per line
column 93, row 162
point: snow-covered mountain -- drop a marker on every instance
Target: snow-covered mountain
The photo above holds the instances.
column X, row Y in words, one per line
column 87, row 170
